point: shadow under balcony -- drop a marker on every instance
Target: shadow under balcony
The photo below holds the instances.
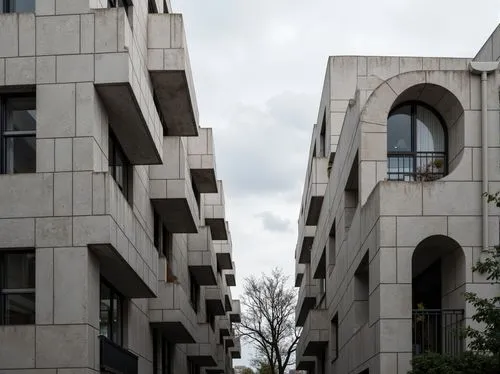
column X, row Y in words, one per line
column 116, row 359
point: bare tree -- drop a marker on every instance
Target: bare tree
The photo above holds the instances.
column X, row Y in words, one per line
column 268, row 319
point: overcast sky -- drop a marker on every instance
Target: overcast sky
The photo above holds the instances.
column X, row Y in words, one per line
column 258, row 68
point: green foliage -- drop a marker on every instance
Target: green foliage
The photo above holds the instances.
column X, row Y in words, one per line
column 247, row 371
column 468, row 363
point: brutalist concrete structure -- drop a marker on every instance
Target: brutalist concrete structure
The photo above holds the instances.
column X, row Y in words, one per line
column 392, row 215
column 115, row 255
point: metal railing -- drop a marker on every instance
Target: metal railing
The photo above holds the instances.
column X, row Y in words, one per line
column 416, row 166
column 438, row 331
column 115, row 359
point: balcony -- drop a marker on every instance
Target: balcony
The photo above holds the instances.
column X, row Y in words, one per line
column 316, row 187
column 170, row 71
column 235, row 314
column 204, row 351
column 438, row 331
column 230, row 276
column 220, row 368
column 224, row 326
column 117, row 80
column 115, row 359
column 201, row 257
column 228, row 342
column 416, row 166
column 236, row 350
column 224, row 251
column 308, row 292
column 299, row 274
column 202, row 161
column 228, row 299
column 215, row 300
column 172, row 314
column 315, row 332
column 214, row 213
column 305, row 363
column 305, row 242
column 171, row 191
column 318, row 263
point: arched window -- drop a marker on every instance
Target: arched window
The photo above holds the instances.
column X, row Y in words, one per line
column 416, row 144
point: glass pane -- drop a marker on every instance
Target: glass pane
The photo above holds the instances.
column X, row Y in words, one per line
column 18, row 6
column 21, row 114
column 400, row 168
column 430, row 133
column 105, row 307
column 117, row 320
column 20, row 309
column 399, row 130
column 19, row 270
column 21, row 154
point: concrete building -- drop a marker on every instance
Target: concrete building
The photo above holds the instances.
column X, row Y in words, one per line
column 392, row 216
column 115, row 254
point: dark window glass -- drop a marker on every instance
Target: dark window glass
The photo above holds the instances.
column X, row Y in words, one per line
column 157, row 231
column 17, row 6
column 17, row 288
column 334, row 338
column 399, row 133
column 18, row 134
column 194, row 294
column 120, row 168
column 111, row 313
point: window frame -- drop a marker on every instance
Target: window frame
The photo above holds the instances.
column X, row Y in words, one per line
column 114, row 296
column 13, row 291
column 115, row 148
column 10, row 134
column 413, row 104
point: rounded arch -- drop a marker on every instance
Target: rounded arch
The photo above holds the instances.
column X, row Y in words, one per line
column 440, row 90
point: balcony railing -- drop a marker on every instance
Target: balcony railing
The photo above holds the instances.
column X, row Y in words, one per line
column 115, row 359
column 437, row 331
column 416, row 166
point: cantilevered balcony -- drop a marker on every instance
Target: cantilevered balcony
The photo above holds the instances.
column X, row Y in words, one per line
column 202, row 161
column 299, row 274
column 318, row 263
column 201, row 257
column 172, row 314
column 116, row 359
column 305, row 242
column 306, row 363
column 230, row 276
column 204, row 351
column 228, row 298
column 170, row 70
column 117, row 80
column 235, row 314
column 214, row 299
column 317, row 180
column 224, row 327
column 213, row 206
column 224, row 252
column 228, row 342
column 220, row 368
column 308, row 292
column 315, row 332
column 236, row 350
column 171, row 189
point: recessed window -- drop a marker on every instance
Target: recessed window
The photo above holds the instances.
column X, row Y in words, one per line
column 416, row 144
column 17, row 288
column 111, row 313
column 17, row 6
column 18, row 134
column 120, row 167
column 334, row 338
column 194, row 293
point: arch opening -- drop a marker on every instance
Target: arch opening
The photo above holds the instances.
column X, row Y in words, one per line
column 438, row 283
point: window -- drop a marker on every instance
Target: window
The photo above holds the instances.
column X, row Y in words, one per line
column 157, row 231
column 17, row 288
column 152, row 6
column 331, row 248
column 17, row 6
column 120, row 167
column 334, row 338
column 194, row 294
column 193, row 368
column 197, row 196
column 167, row 249
column 111, row 313
column 211, row 320
column 416, row 144
column 322, row 138
column 18, row 134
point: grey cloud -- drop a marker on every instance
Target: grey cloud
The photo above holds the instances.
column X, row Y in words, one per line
column 273, row 222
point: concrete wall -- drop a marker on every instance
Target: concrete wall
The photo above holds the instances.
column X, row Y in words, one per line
column 391, row 218
column 62, row 51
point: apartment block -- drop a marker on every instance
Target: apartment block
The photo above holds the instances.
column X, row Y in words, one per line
column 392, row 215
column 115, row 253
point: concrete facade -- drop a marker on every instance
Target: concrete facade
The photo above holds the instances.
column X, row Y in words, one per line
column 378, row 256
column 96, row 70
